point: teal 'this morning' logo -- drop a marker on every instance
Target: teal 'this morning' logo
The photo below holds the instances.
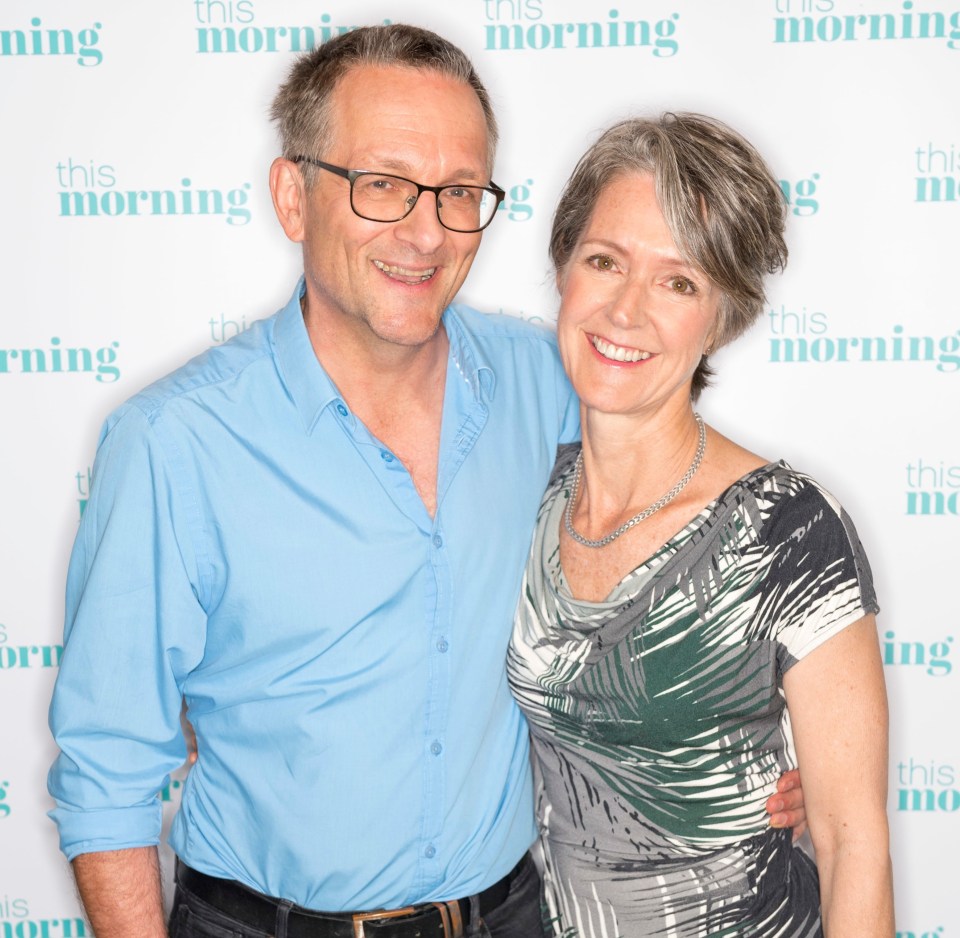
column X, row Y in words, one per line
column 931, row 658
column 14, row 922
column 84, row 480
column 938, row 174
column 802, row 338
column 90, row 190
column 38, row 40
column 44, row 928
column 824, row 21
column 926, row 787
column 4, row 806
column 513, row 25
column 57, row 359
column 27, row 657
column 517, row 205
column 933, row 488
column 228, row 26
column 937, row 932
column 170, row 793
column 800, row 195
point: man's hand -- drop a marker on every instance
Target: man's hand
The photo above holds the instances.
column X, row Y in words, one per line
column 786, row 808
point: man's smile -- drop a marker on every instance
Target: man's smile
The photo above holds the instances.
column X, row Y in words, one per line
column 404, row 274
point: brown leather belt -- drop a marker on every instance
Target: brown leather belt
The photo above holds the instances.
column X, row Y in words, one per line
column 429, row 920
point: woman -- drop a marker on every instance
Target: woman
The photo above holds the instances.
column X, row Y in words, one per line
column 681, row 589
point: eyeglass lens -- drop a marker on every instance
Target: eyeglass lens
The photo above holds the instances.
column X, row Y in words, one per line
column 390, row 198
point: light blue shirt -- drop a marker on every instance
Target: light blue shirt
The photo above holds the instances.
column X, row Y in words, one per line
column 250, row 546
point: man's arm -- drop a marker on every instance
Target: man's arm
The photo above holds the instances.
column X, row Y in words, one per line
column 121, row 893
column 134, row 627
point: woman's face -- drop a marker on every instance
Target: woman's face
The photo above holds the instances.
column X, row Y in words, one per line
column 634, row 318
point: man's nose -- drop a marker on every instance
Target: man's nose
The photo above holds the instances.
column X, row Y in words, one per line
column 421, row 227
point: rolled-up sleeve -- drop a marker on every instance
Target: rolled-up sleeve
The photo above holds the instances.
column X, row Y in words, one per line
column 134, row 628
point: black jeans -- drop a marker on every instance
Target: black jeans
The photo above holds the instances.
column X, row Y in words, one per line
column 518, row 916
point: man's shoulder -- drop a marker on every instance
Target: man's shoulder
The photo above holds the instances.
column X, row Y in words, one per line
column 206, row 372
column 500, row 325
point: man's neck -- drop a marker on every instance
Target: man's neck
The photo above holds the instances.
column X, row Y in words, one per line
column 371, row 372
column 396, row 391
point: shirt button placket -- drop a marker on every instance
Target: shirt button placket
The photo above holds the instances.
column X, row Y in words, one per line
column 440, row 681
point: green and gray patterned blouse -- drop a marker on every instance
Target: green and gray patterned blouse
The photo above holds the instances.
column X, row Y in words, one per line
column 658, row 719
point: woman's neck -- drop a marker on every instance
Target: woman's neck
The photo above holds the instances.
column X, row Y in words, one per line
column 631, row 461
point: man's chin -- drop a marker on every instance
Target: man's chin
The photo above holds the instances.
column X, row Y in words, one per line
column 405, row 337
column 410, row 331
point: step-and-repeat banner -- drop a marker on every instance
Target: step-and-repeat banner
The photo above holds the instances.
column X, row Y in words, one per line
column 136, row 230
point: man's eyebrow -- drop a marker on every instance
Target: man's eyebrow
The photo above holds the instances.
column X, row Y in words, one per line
column 405, row 170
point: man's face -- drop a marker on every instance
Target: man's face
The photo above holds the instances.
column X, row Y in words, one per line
column 388, row 283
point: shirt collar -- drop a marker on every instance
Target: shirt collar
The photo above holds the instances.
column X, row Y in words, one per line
column 468, row 357
column 311, row 388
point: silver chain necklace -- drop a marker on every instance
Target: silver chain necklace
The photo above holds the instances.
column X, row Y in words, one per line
column 636, row 519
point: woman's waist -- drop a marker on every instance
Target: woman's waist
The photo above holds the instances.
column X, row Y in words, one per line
column 708, row 862
column 703, row 798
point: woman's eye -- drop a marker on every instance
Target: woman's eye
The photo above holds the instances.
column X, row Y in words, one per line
column 682, row 285
column 601, row 261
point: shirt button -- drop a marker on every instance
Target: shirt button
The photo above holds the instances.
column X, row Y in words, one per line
column 437, row 541
column 442, row 646
column 341, row 410
column 430, row 852
column 386, row 455
column 435, row 747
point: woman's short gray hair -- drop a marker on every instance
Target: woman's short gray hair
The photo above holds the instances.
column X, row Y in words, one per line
column 722, row 204
column 301, row 108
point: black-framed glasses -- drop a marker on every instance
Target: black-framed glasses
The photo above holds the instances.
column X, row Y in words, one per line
column 385, row 198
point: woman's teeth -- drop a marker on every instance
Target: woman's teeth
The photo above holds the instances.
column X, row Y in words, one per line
column 618, row 353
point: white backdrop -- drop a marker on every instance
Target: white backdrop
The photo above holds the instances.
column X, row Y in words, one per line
column 136, row 230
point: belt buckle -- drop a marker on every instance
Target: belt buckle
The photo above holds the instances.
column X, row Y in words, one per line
column 449, row 916
column 360, row 917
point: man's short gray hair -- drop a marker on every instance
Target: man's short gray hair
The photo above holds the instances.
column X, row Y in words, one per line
column 302, row 106
column 721, row 202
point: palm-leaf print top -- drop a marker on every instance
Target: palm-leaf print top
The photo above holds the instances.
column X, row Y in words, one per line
column 658, row 719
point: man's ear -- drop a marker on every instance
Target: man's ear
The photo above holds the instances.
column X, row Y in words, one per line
column 289, row 197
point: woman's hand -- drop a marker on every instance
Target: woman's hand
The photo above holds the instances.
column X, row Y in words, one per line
column 190, row 735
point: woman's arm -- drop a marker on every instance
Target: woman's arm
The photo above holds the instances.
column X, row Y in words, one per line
column 838, row 709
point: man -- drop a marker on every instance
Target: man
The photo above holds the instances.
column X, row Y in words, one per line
column 314, row 535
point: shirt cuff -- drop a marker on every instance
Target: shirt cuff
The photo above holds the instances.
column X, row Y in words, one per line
column 94, row 831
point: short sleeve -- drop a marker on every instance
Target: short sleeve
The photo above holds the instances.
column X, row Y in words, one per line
column 132, row 613
column 820, row 580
